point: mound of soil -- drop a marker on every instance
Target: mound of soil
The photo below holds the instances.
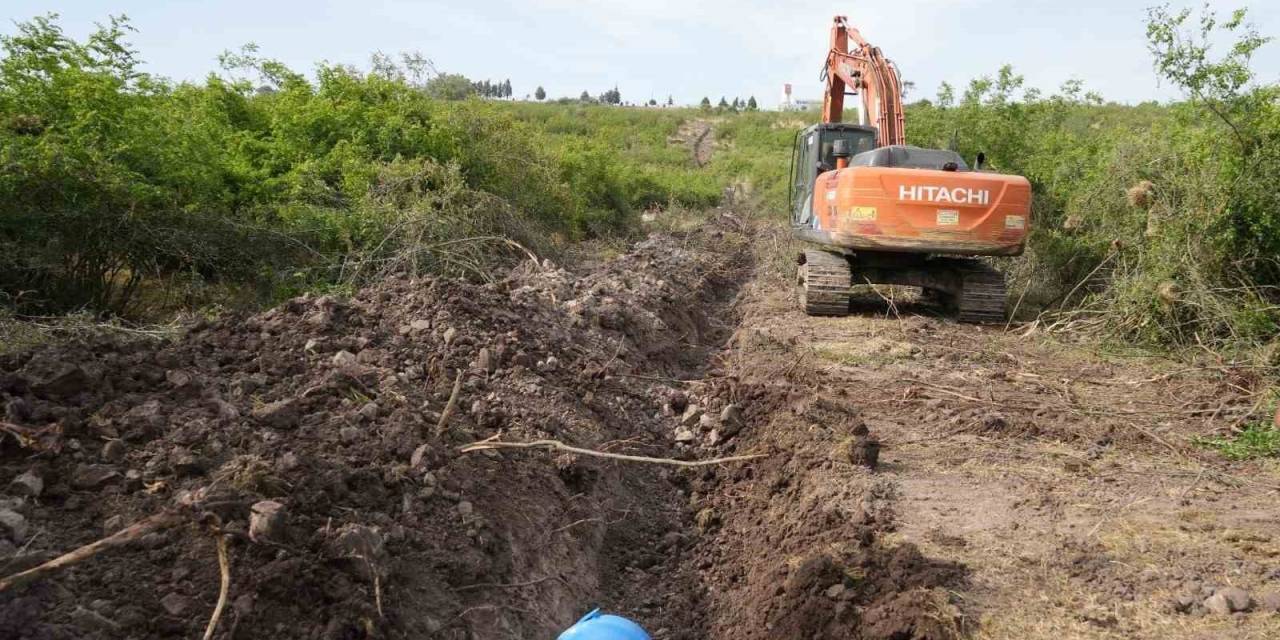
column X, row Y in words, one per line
column 321, row 438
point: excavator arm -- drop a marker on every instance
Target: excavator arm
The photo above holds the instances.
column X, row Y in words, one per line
column 865, row 71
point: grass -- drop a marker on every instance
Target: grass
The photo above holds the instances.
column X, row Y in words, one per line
column 1258, row 440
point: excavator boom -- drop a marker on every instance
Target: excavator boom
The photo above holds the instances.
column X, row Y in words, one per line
column 865, row 71
column 883, row 212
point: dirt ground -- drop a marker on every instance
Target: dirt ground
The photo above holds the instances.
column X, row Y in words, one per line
column 1063, row 477
column 916, row 479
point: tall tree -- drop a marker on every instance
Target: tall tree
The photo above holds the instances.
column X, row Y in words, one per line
column 585, row 97
column 450, row 86
column 670, row 101
column 751, row 104
column 506, row 88
column 706, row 103
column 540, row 93
column 724, row 104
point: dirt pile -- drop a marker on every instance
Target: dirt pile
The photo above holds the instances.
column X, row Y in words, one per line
column 322, row 439
column 328, row 410
column 797, row 545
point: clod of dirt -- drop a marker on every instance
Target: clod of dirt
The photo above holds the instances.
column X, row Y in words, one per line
column 1268, row 602
column 861, row 449
column 707, row 520
column 113, row 451
column 93, row 621
column 419, row 455
column 374, row 547
column 918, row 614
column 54, row 378
column 1228, row 600
column 27, row 484
column 13, row 526
column 281, row 414
column 267, row 521
column 93, row 476
column 707, row 422
column 175, row 604
column 692, row 415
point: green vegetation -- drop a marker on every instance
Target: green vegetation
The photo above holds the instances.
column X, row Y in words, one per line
column 1159, row 224
column 1255, row 441
column 132, row 194
column 1156, row 223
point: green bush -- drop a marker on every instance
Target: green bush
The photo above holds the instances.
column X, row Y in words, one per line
column 114, row 180
column 1158, row 221
column 1255, row 441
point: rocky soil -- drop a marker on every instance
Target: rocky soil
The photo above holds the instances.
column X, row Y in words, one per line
column 917, row 479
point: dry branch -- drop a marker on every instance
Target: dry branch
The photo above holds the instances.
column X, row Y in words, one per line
column 224, row 572
column 554, row 444
column 449, row 406
column 131, row 533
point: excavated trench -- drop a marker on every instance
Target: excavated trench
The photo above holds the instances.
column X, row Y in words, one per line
column 322, row 439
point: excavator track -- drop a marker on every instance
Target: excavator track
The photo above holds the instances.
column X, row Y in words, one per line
column 981, row 299
column 826, row 283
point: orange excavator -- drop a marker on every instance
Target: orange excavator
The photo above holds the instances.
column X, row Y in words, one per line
column 883, row 212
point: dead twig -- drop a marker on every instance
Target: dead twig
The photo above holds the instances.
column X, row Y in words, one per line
column 129, row 534
column 951, row 392
column 224, row 572
column 449, row 406
column 554, row 444
column 573, row 524
column 500, row 585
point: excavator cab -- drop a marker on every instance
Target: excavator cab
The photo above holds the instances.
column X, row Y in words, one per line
column 813, row 153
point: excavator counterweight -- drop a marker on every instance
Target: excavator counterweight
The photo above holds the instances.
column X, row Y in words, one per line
column 883, row 212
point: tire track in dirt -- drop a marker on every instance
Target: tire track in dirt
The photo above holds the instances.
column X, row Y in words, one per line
column 697, row 135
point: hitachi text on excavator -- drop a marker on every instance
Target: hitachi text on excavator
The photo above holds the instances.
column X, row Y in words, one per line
column 882, row 212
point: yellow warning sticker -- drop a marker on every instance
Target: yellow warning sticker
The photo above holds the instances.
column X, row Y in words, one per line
column 948, row 217
column 1015, row 222
column 863, row 213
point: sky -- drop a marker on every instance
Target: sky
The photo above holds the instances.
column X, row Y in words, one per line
column 654, row 48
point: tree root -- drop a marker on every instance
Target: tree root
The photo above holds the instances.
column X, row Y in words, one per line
column 224, row 572
column 554, row 444
column 127, row 535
